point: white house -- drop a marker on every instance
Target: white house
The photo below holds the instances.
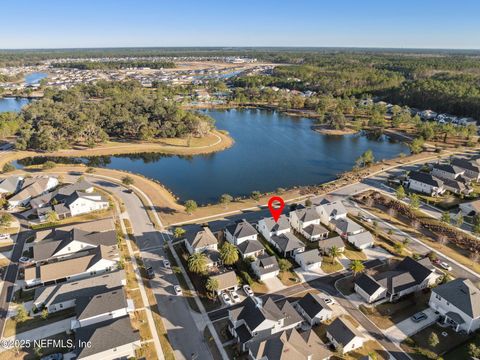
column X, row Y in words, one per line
column 314, row 309
column 96, row 261
column 227, row 281
column 342, row 332
column 251, row 249
column 369, row 289
column 200, row 241
column 269, row 227
column 447, row 171
column 287, row 244
column 471, row 168
column 309, row 260
column 307, row 222
column 101, row 306
column 240, row 231
column 458, row 302
column 82, row 203
column 31, row 188
column 108, row 340
column 265, row 267
column 425, row 183
column 346, row 227
column 325, row 245
column 361, row 240
column 331, row 210
column 10, row 185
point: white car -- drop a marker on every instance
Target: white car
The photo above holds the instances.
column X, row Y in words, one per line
column 226, row 299
column 178, row 290
column 446, row 266
column 4, row 236
column 329, row 301
column 248, row 290
column 234, row 296
column 24, row 260
column 166, row 263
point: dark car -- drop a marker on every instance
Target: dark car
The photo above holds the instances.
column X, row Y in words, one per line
column 150, row 272
column 57, row 356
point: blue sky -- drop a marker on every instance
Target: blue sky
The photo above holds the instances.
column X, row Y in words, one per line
column 368, row 23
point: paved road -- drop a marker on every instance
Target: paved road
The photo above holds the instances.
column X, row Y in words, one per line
column 11, row 273
column 180, row 321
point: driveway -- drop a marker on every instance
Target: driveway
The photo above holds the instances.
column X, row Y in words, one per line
column 308, row 275
column 274, row 284
column 398, row 332
column 377, row 253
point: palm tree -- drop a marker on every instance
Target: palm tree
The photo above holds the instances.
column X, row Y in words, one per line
column 197, row 263
column 229, row 254
column 334, row 253
column 357, row 267
column 211, row 285
column 52, row 216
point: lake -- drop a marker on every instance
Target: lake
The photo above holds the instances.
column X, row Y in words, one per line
column 34, row 78
column 12, row 104
column 271, row 150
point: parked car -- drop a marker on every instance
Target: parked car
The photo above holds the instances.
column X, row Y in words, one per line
column 248, row 290
column 178, row 290
column 419, row 317
column 226, row 299
column 234, row 296
column 329, row 301
column 4, row 236
column 446, row 266
column 166, row 263
column 150, row 272
column 364, row 218
column 56, row 356
column 24, row 260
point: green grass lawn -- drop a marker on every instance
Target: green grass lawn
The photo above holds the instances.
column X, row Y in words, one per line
column 13, row 327
column 330, row 266
column 352, row 253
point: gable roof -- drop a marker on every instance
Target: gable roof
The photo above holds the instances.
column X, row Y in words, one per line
column 347, row 225
column 104, row 336
column 101, row 303
column 310, row 256
column 466, row 164
column 53, row 294
column 425, row 178
column 250, row 246
column 100, row 225
column 226, row 280
column 315, row 229
column 313, row 305
column 201, row 238
column 452, row 169
column 343, row 331
column 241, row 229
column 365, row 237
column 10, row 184
column 281, row 224
column 327, row 244
column 463, row 294
column 266, row 264
column 367, row 284
column 334, row 208
column 287, row 242
column 307, row 214
column 31, row 188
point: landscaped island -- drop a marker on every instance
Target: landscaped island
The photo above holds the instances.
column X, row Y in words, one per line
column 92, row 114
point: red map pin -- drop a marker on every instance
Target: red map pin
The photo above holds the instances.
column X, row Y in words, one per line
column 276, row 205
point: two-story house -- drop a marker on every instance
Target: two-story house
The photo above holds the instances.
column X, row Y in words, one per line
column 307, row 222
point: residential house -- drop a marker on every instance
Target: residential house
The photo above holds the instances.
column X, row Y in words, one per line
column 309, row 260
column 368, row 288
column 346, row 227
column 457, row 187
column 251, row 249
column 102, row 306
column 458, row 302
column 331, row 210
column 342, row 332
column 287, row 244
column 10, row 185
column 325, row 245
column 307, row 222
column 64, row 295
column 314, row 309
column 108, row 340
column 290, row 344
column 265, row 267
column 253, row 321
column 425, row 183
column 227, row 281
column 447, row 171
column 203, row 241
column 95, row 226
column 31, row 188
column 240, row 231
column 361, row 240
column 96, row 261
column 407, row 277
column 471, row 168
column 61, row 193
column 269, row 227
column 71, row 242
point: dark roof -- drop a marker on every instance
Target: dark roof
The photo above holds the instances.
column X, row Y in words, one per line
column 254, row 314
column 250, row 246
column 267, row 264
column 101, row 303
column 241, row 229
column 367, row 284
column 425, row 178
column 287, row 242
column 466, row 164
column 104, row 336
column 463, row 294
column 448, row 168
column 342, row 331
column 313, row 305
column 315, row 229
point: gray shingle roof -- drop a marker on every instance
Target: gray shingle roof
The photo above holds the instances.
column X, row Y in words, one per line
column 315, row 229
column 307, row 214
column 327, row 244
column 313, row 305
column 463, row 294
column 367, row 284
column 342, row 331
column 281, row 224
column 288, row 242
column 250, row 246
column 100, row 303
column 425, row 178
column 241, row 229
column 201, row 238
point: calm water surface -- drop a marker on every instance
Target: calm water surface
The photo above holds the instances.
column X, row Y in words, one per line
column 271, row 150
column 12, row 104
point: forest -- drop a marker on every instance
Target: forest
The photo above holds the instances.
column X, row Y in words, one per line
column 91, row 114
